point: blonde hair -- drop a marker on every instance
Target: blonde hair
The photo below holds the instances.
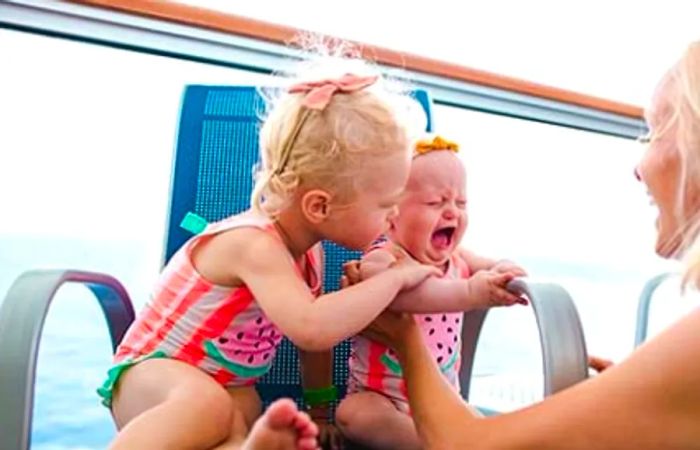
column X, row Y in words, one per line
column 334, row 145
column 685, row 103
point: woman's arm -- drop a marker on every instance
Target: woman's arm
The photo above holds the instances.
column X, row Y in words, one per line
column 650, row 401
column 442, row 418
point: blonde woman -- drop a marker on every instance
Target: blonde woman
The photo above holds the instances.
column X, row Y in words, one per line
column 649, row 401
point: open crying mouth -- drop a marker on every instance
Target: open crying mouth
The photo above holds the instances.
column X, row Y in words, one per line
column 442, row 238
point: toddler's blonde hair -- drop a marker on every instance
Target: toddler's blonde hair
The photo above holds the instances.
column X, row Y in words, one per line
column 334, row 145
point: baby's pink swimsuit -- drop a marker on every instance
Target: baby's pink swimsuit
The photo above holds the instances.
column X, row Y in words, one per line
column 374, row 367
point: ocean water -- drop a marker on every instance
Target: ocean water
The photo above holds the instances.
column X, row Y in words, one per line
column 75, row 348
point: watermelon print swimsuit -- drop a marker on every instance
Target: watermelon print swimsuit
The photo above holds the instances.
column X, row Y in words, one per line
column 219, row 329
column 374, row 367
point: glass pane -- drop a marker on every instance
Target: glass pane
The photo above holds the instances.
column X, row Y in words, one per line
column 544, row 42
column 84, row 176
column 565, row 205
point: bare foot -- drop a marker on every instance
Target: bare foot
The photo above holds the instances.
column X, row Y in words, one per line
column 282, row 427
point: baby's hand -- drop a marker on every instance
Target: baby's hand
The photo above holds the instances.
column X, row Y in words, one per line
column 505, row 266
column 487, row 288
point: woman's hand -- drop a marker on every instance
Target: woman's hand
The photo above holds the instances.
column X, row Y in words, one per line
column 389, row 328
column 599, row 364
column 392, row 329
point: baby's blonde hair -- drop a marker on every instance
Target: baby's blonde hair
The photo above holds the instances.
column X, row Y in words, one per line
column 334, row 145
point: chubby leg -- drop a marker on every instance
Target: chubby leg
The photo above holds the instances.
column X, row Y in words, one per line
column 372, row 420
column 168, row 404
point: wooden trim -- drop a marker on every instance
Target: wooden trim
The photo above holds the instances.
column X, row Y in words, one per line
column 280, row 34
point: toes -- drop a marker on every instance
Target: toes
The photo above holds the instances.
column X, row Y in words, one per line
column 307, row 443
column 282, row 413
column 305, row 426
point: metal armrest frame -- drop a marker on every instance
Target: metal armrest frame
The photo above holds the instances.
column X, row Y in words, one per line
column 22, row 316
column 564, row 356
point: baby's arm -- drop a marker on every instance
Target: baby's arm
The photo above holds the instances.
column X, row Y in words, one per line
column 477, row 263
column 434, row 295
column 263, row 263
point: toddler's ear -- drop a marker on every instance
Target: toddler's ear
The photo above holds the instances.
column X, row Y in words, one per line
column 315, row 205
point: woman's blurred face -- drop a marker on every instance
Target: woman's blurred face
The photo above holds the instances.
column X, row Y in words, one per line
column 661, row 170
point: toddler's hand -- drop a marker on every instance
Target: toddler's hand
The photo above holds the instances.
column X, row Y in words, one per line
column 488, row 288
column 351, row 274
column 505, row 266
column 412, row 273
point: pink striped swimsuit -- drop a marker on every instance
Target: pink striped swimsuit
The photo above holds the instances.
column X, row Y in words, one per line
column 219, row 329
column 374, row 367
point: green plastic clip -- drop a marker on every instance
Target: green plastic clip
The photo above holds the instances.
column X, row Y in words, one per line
column 322, row 396
column 193, row 223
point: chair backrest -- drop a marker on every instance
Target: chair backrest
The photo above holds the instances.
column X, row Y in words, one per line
column 644, row 306
column 217, row 149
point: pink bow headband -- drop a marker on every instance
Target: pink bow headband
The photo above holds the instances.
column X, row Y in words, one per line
column 318, row 96
column 320, row 93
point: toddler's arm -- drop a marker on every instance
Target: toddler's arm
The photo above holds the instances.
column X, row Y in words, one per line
column 434, row 295
column 252, row 257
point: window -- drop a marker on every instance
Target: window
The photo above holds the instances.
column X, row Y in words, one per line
column 85, row 161
column 565, row 205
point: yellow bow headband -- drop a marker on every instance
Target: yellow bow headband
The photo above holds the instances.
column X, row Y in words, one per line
column 424, row 146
